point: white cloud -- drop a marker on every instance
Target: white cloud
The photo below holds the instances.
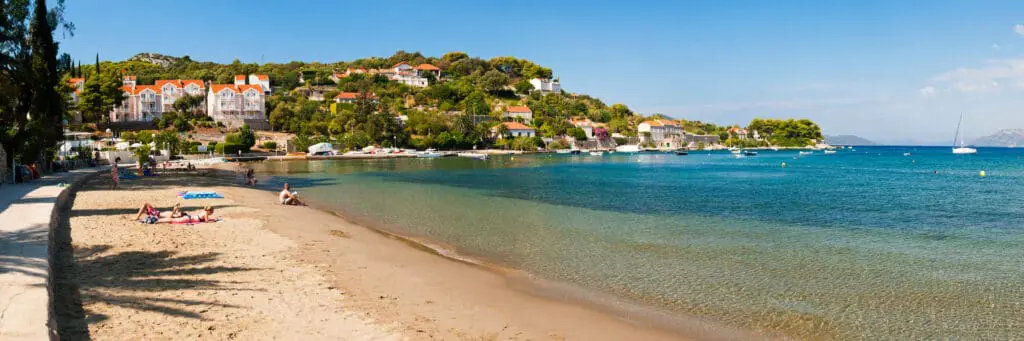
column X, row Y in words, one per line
column 996, row 47
column 1019, row 29
column 927, row 92
column 984, row 78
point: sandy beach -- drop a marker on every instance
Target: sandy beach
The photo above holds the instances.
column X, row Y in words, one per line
column 287, row 273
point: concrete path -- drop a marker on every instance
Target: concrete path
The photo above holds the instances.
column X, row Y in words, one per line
column 25, row 214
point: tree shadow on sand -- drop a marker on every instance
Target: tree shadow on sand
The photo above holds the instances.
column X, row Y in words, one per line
column 131, row 279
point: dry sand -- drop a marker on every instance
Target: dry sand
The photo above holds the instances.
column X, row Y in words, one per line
column 291, row 273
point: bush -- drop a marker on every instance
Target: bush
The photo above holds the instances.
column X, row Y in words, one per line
column 229, row 148
column 559, row 144
column 270, row 145
column 621, row 140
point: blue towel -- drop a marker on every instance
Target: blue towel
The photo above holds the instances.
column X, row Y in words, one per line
column 201, row 195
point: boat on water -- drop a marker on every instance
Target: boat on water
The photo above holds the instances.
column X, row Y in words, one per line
column 628, row 148
column 906, row 154
column 774, row 149
column 829, row 152
column 477, row 156
column 959, row 135
column 749, row 153
column 682, row 151
column 429, row 154
column 734, row 150
column 563, row 151
column 597, row 153
column 807, row 152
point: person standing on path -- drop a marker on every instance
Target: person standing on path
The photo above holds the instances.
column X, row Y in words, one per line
column 114, row 173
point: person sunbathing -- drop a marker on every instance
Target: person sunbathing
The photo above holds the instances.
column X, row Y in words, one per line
column 203, row 216
column 151, row 211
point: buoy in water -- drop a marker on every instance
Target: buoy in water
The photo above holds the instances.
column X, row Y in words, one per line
column 981, row 173
column 783, row 164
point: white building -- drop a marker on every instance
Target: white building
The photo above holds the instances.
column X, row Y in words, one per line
column 406, row 74
column 546, row 85
column 659, row 130
column 515, row 129
column 143, row 103
column 173, row 89
column 263, row 81
column 519, row 111
column 237, row 104
column 352, row 97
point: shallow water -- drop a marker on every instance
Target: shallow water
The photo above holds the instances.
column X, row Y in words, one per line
column 861, row 245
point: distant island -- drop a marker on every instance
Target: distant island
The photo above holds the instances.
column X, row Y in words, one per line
column 1003, row 138
column 847, row 140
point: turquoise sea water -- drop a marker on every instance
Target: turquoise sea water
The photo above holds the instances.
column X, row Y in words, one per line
column 861, row 245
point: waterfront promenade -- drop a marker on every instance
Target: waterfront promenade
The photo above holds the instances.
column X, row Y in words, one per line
column 25, row 216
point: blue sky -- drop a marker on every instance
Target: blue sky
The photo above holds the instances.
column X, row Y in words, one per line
column 892, row 71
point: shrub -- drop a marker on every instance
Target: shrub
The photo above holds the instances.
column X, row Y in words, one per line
column 559, row 144
column 228, row 148
column 270, row 145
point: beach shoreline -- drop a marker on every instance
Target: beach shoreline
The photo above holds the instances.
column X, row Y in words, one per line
column 395, row 290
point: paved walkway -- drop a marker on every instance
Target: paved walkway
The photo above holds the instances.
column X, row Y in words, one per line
column 25, row 211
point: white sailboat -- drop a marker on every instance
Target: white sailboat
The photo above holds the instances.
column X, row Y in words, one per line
column 959, row 136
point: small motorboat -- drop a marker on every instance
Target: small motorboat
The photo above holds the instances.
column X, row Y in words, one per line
column 750, row 153
column 830, row 152
column 628, row 148
column 597, row 153
column 477, row 156
column 563, row 151
column 906, row 154
column 682, row 151
column 428, row 154
column 734, row 150
column 805, row 153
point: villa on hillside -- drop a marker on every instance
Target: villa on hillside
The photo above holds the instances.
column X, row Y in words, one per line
column 518, row 111
column 594, row 130
column 352, row 97
column 546, row 85
column 515, row 129
column 262, row 80
column 657, row 130
column 237, row 104
column 737, row 133
column 142, row 103
column 173, row 89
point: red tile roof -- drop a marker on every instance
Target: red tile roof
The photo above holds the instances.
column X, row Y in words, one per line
column 198, row 82
column 519, row 109
column 399, row 63
column 239, row 77
column 217, row 88
column 161, row 82
column 516, row 126
column 262, row 77
column 352, row 95
column 245, row 87
column 428, row 67
column 76, row 80
column 140, row 88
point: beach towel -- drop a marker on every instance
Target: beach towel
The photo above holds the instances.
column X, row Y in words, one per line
column 200, row 195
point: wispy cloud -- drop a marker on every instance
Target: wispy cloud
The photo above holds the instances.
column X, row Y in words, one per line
column 927, row 92
column 987, row 77
column 1019, row 29
column 996, row 47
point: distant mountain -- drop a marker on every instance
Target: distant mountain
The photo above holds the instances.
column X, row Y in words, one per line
column 847, row 140
column 1002, row 138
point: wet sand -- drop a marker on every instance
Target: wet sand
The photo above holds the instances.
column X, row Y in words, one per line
column 276, row 272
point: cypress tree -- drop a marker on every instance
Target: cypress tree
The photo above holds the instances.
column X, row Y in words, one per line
column 97, row 64
column 48, row 107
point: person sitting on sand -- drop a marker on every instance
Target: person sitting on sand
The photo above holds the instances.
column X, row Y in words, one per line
column 288, row 197
column 154, row 214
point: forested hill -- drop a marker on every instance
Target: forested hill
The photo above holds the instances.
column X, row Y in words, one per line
column 448, row 110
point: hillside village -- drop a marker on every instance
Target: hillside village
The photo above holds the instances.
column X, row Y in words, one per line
column 406, row 100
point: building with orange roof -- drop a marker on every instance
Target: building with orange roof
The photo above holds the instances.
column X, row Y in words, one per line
column 171, row 90
column 427, row 68
column 518, row 112
column 352, row 97
column 262, row 80
column 143, row 103
column 237, row 104
column 515, row 129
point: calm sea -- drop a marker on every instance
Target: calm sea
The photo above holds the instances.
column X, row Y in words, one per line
column 867, row 244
